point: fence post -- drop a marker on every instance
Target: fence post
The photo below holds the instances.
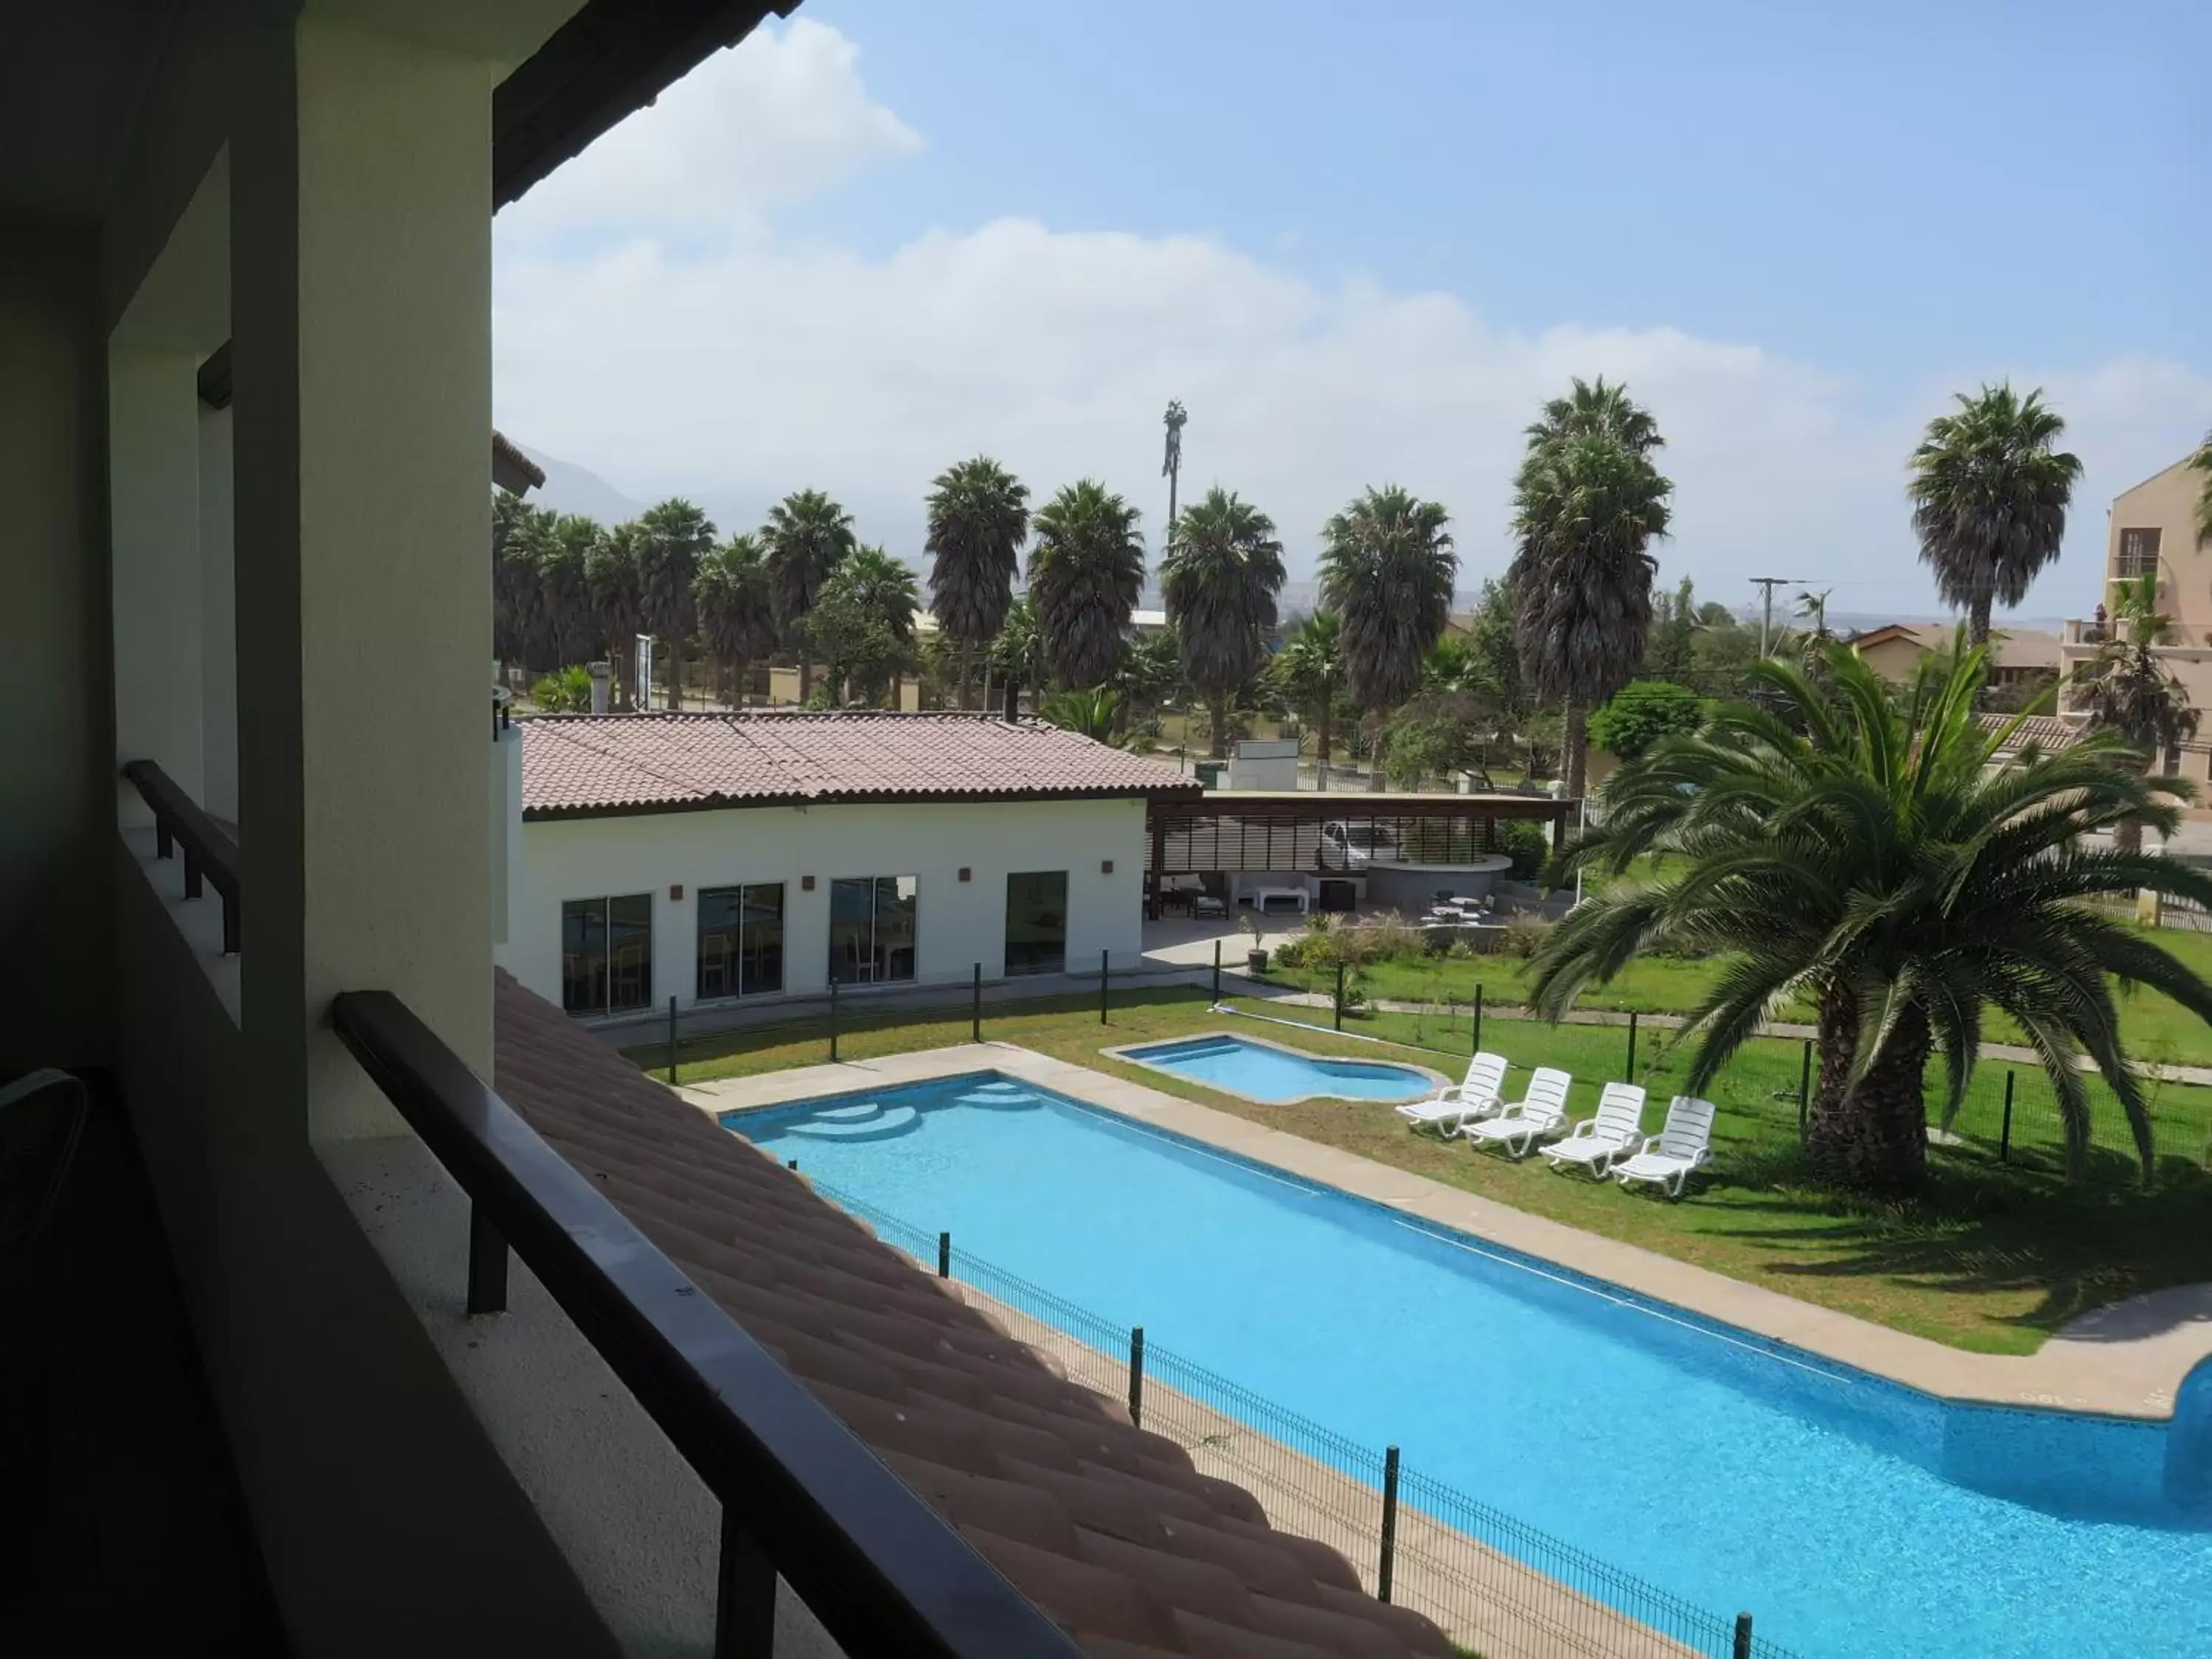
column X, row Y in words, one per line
column 2004, row 1136
column 945, row 1255
column 671, row 1042
column 1804, row 1089
column 1137, row 1377
column 1632, row 1047
column 1743, row 1635
column 975, row 1008
column 1340, row 996
column 1217, row 970
column 793, row 1165
column 1103, row 957
column 833, row 1020
column 1389, row 1524
column 1475, row 1047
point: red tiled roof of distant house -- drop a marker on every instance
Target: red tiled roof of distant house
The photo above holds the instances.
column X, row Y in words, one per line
column 604, row 765
column 2044, row 731
column 1109, row 1529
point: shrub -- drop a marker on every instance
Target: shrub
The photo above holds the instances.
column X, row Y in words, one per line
column 567, row 691
column 1290, row 953
column 1523, row 843
column 1524, row 935
column 1643, row 712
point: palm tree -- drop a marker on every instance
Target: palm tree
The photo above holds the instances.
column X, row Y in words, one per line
column 1311, row 669
column 2124, row 689
column 737, row 615
column 1085, row 573
column 672, row 537
column 1386, row 569
column 1093, row 713
column 863, row 621
column 618, row 599
column 1223, row 569
column 1014, row 651
column 564, row 590
column 2202, row 461
column 1588, row 503
column 806, row 535
column 1903, row 867
column 979, row 517
column 513, row 578
column 1989, row 497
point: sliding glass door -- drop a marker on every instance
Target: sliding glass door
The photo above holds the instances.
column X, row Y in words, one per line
column 740, row 940
column 873, row 935
column 606, row 954
column 1036, row 922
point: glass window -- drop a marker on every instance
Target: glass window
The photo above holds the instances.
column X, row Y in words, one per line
column 1036, row 922
column 606, row 954
column 740, row 940
column 760, row 958
column 872, row 928
column 721, row 910
column 2138, row 553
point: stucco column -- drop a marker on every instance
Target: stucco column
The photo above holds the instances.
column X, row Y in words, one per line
column 153, row 403
column 218, row 620
column 362, row 356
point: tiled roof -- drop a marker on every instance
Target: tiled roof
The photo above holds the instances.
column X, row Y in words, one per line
column 1109, row 1529
column 2044, row 732
column 511, row 469
column 610, row 763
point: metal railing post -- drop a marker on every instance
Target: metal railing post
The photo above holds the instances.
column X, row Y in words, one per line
column 193, row 889
column 1217, row 970
column 1389, row 1524
column 1136, row 1376
column 975, row 1008
column 744, row 1595
column 1631, row 1046
column 833, row 1020
column 1340, row 996
column 1743, row 1635
column 2004, row 1135
column 1476, row 1047
column 1103, row 957
column 671, row 1042
column 1804, row 1089
column 792, row 1164
column 487, row 1263
column 945, row 1255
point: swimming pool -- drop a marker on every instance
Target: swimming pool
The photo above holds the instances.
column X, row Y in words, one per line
column 1853, row 1517
column 1275, row 1075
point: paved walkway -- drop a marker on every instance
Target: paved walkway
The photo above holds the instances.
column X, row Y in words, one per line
column 2124, row 1360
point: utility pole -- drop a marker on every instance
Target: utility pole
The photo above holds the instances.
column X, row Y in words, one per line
column 1171, row 468
column 1766, row 616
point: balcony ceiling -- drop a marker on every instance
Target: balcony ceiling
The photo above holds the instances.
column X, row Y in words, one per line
column 72, row 77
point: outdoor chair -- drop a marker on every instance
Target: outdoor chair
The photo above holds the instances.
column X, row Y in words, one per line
column 1474, row 1096
column 1616, row 1131
column 1539, row 1114
column 1681, row 1147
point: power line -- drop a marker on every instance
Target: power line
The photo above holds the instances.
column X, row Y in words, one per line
column 1766, row 616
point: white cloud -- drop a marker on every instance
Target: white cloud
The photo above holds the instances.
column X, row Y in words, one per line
column 736, row 367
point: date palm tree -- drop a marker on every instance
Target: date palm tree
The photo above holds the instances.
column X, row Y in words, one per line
column 1903, row 867
column 617, row 600
column 1311, row 669
column 1990, row 491
column 737, row 613
column 1386, row 570
column 979, row 517
column 2125, row 689
column 1015, row 652
column 1588, row 502
column 1223, row 569
column 806, row 536
column 1085, row 573
column 863, row 624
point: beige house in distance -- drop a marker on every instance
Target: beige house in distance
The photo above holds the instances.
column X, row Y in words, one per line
column 2018, row 656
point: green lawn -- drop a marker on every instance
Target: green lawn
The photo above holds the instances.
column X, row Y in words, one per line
column 1993, row 1257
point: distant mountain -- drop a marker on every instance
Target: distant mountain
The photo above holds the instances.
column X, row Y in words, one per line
column 572, row 488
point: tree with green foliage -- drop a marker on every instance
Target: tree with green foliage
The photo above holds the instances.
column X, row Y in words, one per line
column 979, row 517
column 1223, row 569
column 610, row 571
column 1094, row 711
column 1587, row 504
column 513, row 578
column 862, row 624
column 1990, row 491
column 1641, row 713
column 672, row 537
column 1085, row 573
column 1905, row 869
column 1387, row 571
column 807, row 536
column 2202, row 461
column 567, row 691
column 1151, row 675
column 1014, row 651
column 564, row 586
column 2127, row 689
column 736, row 604
column 1309, row 671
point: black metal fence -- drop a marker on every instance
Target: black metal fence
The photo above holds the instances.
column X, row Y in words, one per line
column 1497, row 1587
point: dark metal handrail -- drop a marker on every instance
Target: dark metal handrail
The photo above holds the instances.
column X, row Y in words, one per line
column 801, row 1497
column 208, row 851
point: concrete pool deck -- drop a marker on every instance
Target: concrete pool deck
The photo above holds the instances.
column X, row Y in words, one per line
column 2126, row 1360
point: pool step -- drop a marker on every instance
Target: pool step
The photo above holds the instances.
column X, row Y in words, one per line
column 867, row 1121
column 1000, row 1097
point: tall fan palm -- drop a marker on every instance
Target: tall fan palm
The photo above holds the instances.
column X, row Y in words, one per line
column 564, row 589
column 736, row 614
column 513, row 578
column 1386, row 569
column 1892, row 860
column 863, row 624
column 1223, row 569
column 1586, row 510
column 2202, row 461
column 1989, row 493
column 672, row 537
column 806, row 536
column 979, row 517
column 617, row 595
column 1311, row 669
column 1596, row 409
column 2125, row 689
column 1085, row 573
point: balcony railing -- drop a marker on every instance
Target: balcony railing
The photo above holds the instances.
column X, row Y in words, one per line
column 801, row 1497
column 210, row 855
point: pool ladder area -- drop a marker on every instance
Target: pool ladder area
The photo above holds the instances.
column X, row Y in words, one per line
column 872, row 1119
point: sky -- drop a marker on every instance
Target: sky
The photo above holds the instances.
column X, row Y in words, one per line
column 1363, row 244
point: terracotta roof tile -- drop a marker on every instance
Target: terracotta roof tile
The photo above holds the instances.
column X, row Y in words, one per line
column 2044, row 732
column 602, row 763
column 1107, row 1527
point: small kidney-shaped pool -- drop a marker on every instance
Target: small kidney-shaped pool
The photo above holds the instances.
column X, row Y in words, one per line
column 1275, row 1075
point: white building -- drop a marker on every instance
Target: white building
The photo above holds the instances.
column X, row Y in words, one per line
column 711, row 858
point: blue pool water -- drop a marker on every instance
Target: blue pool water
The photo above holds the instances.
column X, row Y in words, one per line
column 1260, row 1071
column 1853, row 1517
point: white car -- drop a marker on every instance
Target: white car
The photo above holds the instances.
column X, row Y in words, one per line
column 1355, row 846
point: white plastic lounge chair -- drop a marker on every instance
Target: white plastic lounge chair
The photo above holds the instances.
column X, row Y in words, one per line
column 1538, row 1115
column 1615, row 1132
column 1459, row 1102
column 1681, row 1147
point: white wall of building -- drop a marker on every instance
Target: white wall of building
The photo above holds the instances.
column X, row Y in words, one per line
column 957, row 923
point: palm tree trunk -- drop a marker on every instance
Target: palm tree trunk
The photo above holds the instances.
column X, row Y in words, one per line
column 967, row 671
column 1376, row 780
column 1322, row 742
column 805, row 675
column 1871, row 1134
column 1978, row 617
column 1576, row 758
column 621, row 700
column 1217, row 715
column 675, row 676
column 2127, row 836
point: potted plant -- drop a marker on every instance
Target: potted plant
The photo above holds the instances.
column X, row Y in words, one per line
column 1256, row 959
